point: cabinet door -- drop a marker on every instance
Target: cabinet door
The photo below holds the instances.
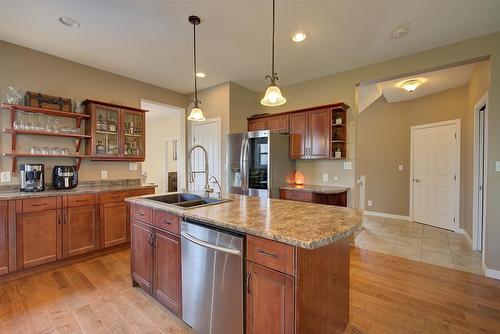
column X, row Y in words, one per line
column 257, row 124
column 105, row 132
column 167, row 271
column 319, row 134
column 4, row 243
column 39, row 238
column 114, row 224
column 133, row 131
column 278, row 123
column 141, row 257
column 298, row 135
column 270, row 297
column 80, row 231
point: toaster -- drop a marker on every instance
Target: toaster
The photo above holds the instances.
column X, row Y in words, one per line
column 64, row 177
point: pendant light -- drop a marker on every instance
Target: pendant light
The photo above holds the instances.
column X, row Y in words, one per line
column 196, row 114
column 273, row 95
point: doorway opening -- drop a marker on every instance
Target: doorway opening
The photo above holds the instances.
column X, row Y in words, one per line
column 164, row 164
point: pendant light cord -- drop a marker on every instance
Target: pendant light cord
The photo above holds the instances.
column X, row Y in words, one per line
column 273, row 77
column 196, row 101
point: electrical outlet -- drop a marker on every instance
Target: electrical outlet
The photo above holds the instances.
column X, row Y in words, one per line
column 132, row 166
column 325, row 177
column 335, row 178
column 5, row 177
column 347, row 165
column 497, row 166
column 401, row 167
column 104, row 174
column 370, row 203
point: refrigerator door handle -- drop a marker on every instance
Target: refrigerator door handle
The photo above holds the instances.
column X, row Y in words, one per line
column 242, row 164
column 245, row 171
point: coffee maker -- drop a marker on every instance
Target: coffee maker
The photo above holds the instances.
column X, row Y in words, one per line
column 32, row 177
column 64, row 177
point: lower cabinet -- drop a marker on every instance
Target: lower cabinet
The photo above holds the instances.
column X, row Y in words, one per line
column 270, row 301
column 4, row 240
column 114, row 224
column 338, row 199
column 80, row 231
column 141, row 258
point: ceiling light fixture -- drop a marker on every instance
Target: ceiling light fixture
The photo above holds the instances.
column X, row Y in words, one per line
column 399, row 32
column 196, row 114
column 201, row 75
column 411, row 85
column 273, row 96
column 299, row 37
column 69, row 22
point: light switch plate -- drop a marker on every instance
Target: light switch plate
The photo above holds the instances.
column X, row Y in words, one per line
column 497, row 166
column 370, row 203
column 400, row 167
column 347, row 165
column 325, row 177
column 132, row 166
column 104, row 174
column 335, row 178
column 5, row 177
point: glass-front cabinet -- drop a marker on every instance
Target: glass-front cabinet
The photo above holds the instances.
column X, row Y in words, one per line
column 117, row 132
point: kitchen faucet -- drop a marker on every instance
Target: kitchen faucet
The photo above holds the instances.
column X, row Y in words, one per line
column 192, row 173
column 219, row 193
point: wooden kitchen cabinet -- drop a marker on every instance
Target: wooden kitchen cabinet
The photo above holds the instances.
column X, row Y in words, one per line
column 278, row 123
column 310, row 134
column 114, row 224
column 167, row 270
column 4, row 240
column 80, row 230
column 257, row 124
column 270, row 301
column 141, row 259
column 298, row 136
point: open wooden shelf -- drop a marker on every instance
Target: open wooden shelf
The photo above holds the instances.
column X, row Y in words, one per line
column 15, row 155
column 16, row 107
column 45, row 133
column 339, row 133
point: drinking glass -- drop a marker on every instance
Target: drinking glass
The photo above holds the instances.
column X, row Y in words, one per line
column 57, row 126
column 46, row 150
column 30, row 125
column 65, row 151
column 35, row 150
column 19, row 123
column 49, row 125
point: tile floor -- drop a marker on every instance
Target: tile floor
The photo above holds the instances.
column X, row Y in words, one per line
column 419, row 242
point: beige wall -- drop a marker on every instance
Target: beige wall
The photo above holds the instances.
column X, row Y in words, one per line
column 32, row 70
column 384, row 143
column 243, row 104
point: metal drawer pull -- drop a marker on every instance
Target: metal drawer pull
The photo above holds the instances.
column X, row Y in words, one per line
column 249, row 275
column 262, row 252
column 209, row 245
column 163, row 220
column 41, row 204
column 116, row 196
column 81, row 200
column 140, row 213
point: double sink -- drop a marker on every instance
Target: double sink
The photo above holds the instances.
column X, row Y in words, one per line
column 187, row 200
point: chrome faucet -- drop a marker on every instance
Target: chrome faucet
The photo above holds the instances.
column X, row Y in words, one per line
column 192, row 173
column 219, row 193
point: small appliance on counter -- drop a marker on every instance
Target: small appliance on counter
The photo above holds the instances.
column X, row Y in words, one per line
column 32, row 177
column 64, row 177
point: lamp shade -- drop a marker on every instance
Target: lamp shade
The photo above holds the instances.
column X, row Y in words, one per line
column 273, row 96
column 196, row 115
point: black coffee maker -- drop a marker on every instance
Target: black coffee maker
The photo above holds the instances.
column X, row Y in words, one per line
column 32, row 177
column 64, row 177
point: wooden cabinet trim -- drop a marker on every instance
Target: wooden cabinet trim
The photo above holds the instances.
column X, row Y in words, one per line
column 4, row 237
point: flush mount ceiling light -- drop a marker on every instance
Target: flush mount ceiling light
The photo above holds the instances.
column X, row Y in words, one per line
column 399, row 32
column 201, row 75
column 196, row 114
column 299, row 37
column 273, row 96
column 69, row 22
column 411, row 85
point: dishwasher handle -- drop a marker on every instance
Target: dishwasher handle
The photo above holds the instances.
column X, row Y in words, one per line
column 209, row 245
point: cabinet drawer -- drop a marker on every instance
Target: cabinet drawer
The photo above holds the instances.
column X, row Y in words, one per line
column 296, row 195
column 113, row 196
column 167, row 221
column 80, row 200
column 39, row 204
column 141, row 213
column 271, row 254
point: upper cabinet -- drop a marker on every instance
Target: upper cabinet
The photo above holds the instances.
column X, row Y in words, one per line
column 118, row 132
column 315, row 133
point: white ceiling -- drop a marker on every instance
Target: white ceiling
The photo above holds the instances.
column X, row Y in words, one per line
column 432, row 82
column 151, row 40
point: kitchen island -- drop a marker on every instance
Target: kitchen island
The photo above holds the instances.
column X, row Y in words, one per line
column 296, row 258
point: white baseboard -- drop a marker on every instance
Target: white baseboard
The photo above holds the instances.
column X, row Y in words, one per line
column 491, row 273
column 387, row 215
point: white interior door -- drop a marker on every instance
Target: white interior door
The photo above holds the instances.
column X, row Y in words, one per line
column 206, row 134
column 436, row 167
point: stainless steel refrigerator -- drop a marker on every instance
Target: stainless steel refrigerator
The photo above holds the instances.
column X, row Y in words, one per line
column 258, row 163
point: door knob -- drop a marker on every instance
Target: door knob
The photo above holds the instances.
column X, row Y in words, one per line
column 416, row 180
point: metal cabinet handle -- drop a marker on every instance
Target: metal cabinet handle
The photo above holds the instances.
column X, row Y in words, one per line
column 140, row 213
column 249, row 275
column 151, row 239
column 41, row 204
column 81, row 200
column 163, row 220
column 262, row 252
column 116, row 196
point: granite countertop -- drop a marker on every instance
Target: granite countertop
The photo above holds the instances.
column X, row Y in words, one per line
column 80, row 190
column 317, row 189
column 304, row 225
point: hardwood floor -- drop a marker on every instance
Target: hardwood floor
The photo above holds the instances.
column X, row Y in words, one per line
column 388, row 295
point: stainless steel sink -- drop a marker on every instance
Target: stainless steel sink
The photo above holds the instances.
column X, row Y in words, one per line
column 187, row 200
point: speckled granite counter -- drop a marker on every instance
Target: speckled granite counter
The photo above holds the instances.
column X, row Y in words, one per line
column 12, row 192
column 304, row 225
column 317, row 189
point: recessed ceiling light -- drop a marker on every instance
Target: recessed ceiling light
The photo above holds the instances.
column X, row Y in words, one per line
column 399, row 32
column 299, row 37
column 201, row 75
column 70, row 22
column 411, row 85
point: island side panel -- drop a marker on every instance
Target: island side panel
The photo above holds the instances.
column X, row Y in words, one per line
column 322, row 289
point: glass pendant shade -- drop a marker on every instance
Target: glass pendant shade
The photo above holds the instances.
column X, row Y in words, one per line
column 273, row 97
column 196, row 115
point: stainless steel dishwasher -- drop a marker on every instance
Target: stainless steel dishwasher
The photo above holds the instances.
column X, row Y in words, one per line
column 212, row 279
